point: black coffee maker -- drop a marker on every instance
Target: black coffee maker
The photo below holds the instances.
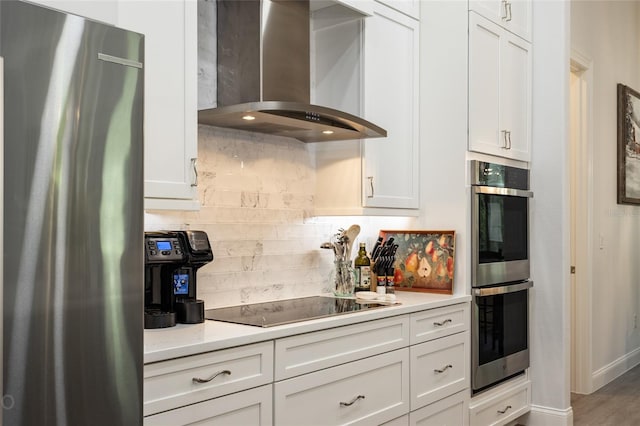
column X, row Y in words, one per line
column 172, row 259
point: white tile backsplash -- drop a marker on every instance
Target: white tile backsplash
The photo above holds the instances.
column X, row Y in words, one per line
column 257, row 194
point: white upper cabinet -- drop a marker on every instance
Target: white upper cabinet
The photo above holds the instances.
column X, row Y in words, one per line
column 171, row 132
column 369, row 67
column 499, row 91
column 391, row 87
column 513, row 15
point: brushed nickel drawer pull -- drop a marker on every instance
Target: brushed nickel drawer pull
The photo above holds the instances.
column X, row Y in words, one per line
column 505, row 410
column 440, row 324
column 198, row 380
column 443, row 369
column 347, row 404
column 194, row 166
column 505, row 143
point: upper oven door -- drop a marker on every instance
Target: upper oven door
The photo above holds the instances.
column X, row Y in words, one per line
column 500, row 235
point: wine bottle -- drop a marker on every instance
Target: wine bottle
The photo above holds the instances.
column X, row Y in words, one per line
column 362, row 265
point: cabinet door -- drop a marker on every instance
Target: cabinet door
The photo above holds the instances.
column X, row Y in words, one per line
column 439, row 368
column 251, row 407
column 392, row 60
column 499, row 91
column 516, row 96
column 484, row 86
column 513, row 15
column 170, row 29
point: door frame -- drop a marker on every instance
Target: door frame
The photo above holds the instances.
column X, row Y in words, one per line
column 581, row 169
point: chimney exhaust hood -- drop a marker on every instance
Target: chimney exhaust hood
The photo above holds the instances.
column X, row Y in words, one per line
column 263, row 68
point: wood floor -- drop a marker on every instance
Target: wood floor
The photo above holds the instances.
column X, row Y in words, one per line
column 617, row 403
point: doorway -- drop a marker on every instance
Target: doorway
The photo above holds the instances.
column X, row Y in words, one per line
column 581, row 167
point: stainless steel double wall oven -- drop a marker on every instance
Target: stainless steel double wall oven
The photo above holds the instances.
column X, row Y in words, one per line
column 500, row 273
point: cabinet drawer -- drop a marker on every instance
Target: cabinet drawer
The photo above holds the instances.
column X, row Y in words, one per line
column 313, row 351
column 503, row 407
column 451, row 411
column 371, row 391
column 170, row 384
column 250, row 407
column 439, row 368
column 435, row 323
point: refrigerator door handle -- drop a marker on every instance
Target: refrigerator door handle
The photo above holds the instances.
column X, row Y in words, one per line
column 118, row 60
column 1, row 225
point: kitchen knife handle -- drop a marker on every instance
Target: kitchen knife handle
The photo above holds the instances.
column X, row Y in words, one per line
column 199, row 380
column 371, row 185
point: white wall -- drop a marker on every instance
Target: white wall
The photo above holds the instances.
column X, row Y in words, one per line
column 550, row 260
column 257, row 194
column 607, row 33
column 444, row 197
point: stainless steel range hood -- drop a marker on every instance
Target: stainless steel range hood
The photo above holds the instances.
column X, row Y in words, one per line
column 264, row 75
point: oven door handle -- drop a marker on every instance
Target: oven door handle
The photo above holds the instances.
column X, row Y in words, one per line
column 492, row 291
column 493, row 190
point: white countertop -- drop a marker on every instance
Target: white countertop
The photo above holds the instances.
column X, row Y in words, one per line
column 189, row 339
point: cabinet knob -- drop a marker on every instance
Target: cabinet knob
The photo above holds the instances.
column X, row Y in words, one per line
column 371, row 186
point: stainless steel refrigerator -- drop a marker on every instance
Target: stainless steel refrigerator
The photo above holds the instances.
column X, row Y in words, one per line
column 72, row 219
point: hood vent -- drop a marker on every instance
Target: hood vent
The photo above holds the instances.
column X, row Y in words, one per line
column 264, row 75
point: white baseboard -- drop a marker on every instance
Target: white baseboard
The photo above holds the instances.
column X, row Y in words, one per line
column 545, row 416
column 615, row 369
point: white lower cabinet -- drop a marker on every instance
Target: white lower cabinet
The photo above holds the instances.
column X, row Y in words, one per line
column 451, row 411
column 183, row 381
column 309, row 352
column 401, row 370
column 501, row 405
column 373, row 390
column 250, row 407
column 439, row 368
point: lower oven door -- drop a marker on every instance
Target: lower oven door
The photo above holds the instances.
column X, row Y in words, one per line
column 500, row 333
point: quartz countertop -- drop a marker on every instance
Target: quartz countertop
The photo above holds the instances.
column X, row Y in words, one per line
column 190, row 339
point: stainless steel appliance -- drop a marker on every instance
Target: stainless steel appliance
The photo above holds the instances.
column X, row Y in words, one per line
column 500, row 223
column 263, row 74
column 269, row 314
column 500, row 273
column 500, row 333
column 73, row 219
column 172, row 260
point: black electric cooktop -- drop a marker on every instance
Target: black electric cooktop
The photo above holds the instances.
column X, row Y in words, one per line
column 269, row 314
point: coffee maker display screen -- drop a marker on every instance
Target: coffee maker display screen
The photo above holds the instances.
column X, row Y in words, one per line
column 181, row 284
column 163, row 245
